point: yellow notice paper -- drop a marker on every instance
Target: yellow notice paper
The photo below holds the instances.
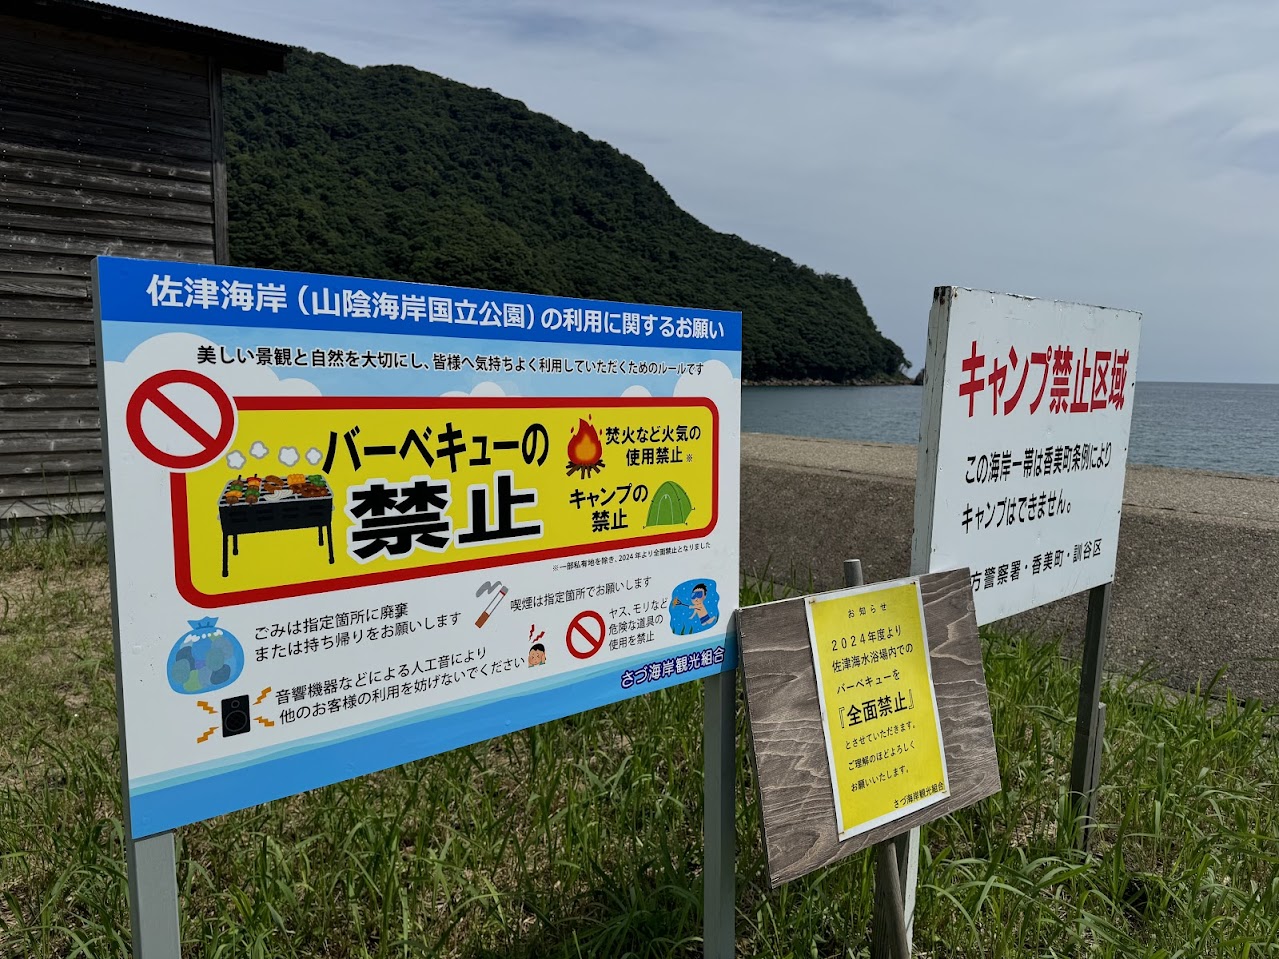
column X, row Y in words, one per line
column 879, row 710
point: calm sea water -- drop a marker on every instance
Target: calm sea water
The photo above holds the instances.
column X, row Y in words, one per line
column 1207, row 426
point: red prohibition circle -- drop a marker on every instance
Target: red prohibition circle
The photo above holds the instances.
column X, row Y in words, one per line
column 211, row 446
column 578, row 628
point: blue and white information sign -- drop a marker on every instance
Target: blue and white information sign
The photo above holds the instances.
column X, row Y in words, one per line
column 359, row 522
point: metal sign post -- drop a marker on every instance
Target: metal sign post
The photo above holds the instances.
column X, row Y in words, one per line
column 719, row 894
column 1085, row 764
column 150, row 861
column 153, row 897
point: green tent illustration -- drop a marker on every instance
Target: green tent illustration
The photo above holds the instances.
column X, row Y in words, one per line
column 670, row 506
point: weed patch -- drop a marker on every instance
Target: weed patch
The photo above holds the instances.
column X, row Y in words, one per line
column 582, row 837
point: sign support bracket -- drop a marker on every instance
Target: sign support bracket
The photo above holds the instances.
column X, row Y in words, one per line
column 1085, row 766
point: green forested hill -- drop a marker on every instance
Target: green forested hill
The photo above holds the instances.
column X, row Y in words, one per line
column 399, row 173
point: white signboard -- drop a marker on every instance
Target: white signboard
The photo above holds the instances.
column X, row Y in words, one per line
column 356, row 522
column 1023, row 445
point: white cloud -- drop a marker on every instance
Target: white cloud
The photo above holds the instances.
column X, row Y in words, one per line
column 258, row 450
column 172, row 350
column 288, row 455
column 1123, row 153
column 313, row 456
column 486, row 388
column 169, row 351
column 715, row 379
column 161, row 354
column 636, row 390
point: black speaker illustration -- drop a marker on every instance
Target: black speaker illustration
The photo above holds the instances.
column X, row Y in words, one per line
column 235, row 715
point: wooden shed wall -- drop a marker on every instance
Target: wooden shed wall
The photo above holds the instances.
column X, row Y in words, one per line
column 105, row 147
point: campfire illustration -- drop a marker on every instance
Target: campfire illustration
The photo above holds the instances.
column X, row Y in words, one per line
column 585, row 453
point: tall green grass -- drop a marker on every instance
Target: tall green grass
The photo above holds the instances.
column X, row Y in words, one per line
column 582, row 837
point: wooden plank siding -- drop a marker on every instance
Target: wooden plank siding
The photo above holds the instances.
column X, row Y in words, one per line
column 105, row 147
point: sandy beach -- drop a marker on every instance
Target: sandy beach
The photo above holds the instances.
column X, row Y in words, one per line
column 1196, row 580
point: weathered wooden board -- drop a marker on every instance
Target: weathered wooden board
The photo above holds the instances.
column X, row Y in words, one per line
column 37, row 129
column 42, row 94
column 106, row 147
column 102, row 88
column 34, row 489
column 51, row 50
column 89, row 500
column 39, row 418
column 45, row 308
column 81, row 51
column 40, row 376
column 50, row 173
column 47, row 100
column 187, row 170
column 44, row 284
column 47, row 472
column 25, row 397
column 46, row 441
column 103, row 245
column 17, row 220
column 217, row 121
column 64, row 198
column 45, row 353
column 47, row 264
column 789, row 748
column 44, row 331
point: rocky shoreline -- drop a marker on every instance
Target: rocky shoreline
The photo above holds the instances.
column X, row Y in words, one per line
column 903, row 381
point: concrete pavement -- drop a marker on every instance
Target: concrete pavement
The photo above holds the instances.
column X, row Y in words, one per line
column 1196, row 580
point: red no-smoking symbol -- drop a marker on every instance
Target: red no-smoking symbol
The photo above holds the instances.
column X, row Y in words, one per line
column 585, row 634
column 185, row 427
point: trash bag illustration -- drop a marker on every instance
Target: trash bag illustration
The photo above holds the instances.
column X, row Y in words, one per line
column 205, row 658
column 669, row 506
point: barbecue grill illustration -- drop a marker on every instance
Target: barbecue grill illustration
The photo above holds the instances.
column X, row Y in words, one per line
column 272, row 504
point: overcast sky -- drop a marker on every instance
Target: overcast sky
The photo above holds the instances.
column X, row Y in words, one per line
column 1105, row 151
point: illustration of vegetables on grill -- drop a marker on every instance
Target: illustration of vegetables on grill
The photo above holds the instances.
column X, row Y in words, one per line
column 271, row 504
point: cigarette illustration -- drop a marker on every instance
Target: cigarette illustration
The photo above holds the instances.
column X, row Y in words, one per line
column 489, row 588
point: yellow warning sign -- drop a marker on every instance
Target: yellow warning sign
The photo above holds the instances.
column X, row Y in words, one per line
column 380, row 489
column 879, row 709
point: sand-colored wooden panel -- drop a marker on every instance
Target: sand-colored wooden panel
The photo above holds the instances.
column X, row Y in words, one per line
column 789, row 749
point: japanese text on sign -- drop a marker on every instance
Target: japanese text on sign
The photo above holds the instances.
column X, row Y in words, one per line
column 879, row 709
column 1024, row 443
column 404, row 489
column 1070, row 382
column 423, row 515
column 195, row 293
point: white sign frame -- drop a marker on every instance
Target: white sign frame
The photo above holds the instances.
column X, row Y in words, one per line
column 209, row 666
column 991, row 387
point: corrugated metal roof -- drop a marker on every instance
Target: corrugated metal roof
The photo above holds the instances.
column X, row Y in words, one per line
column 235, row 52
